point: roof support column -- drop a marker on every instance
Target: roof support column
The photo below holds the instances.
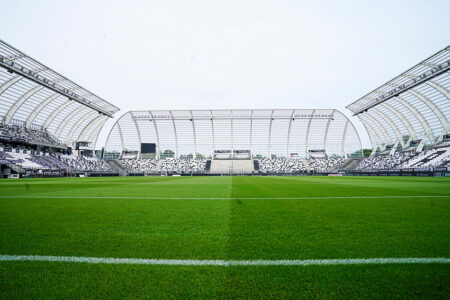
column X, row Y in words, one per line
column 251, row 134
column 270, row 134
column 121, row 139
column 94, row 134
column 381, row 127
column 307, row 133
column 79, row 122
column 373, row 134
column 20, row 101
column 212, row 131
column 419, row 117
column 158, row 150
column 86, row 130
column 421, row 144
column 232, row 137
column 438, row 87
column 374, row 151
column 138, row 131
column 66, row 120
column 195, row 138
column 412, row 134
column 394, row 148
column 344, row 136
column 88, row 127
column 325, row 137
column 55, row 113
column 289, row 133
column 433, row 107
column 38, row 109
column 393, row 126
column 9, row 83
column 175, row 132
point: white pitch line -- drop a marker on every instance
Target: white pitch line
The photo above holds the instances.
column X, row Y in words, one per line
column 221, row 198
column 225, row 263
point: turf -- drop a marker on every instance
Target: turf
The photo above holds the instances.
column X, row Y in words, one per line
column 233, row 228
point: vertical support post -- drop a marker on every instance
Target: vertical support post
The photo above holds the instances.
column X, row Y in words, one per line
column 38, row 109
column 417, row 114
column 13, row 109
column 81, row 136
column 402, row 119
column 391, row 124
column 212, row 131
column 307, row 133
column 158, row 149
column 289, row 133
column 175, row 132
column 344, row 136
column 394, row 148
column 9, row 83
column 433, row 107
column 232, row 137
column 373, row 134
column 251, row 134
column 326, row 132
column 387, row 137
column 195, row 139
column 121, row 139
column 270, row 134
column 138, row 133
column 95, row 133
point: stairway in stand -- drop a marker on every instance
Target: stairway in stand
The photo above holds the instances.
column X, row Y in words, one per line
column 229, row 167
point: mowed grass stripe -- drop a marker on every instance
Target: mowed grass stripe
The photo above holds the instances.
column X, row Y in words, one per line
column 227, row 198
column 225, row 263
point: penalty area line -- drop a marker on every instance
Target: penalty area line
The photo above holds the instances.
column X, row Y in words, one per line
column 225, row 198
column 226, row 263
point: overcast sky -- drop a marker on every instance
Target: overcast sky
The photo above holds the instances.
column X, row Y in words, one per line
column 143, row 55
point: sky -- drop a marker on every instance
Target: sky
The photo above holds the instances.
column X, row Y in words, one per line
column 142, row 55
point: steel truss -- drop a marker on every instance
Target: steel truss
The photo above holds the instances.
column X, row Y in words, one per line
column 414, row 106
column 38, row 97
column 264, row 132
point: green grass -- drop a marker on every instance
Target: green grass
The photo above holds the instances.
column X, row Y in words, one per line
column 231, row 229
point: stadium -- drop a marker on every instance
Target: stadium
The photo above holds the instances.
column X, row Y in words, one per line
column 223, row 203
column 50, row 127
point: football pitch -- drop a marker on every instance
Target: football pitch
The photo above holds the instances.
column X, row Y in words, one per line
column 225, row 237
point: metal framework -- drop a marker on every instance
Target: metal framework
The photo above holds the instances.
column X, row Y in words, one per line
column 414, row 106
column 266, row 133
column 38, row 97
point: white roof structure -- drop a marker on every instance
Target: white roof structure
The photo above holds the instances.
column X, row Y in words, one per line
column 37, row 97
column 414, row 106
column 264, row 132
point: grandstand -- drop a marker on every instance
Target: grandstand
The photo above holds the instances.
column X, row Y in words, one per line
column 286, row 136
column 47, row 122
column 411, row 111
column 407, row 118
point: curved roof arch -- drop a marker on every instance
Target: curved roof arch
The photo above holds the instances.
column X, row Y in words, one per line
column 413, row 106
column 37, row 97
column 265, row 132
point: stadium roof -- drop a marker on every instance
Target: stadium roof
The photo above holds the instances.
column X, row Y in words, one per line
column 34, row 95
column 414, row 106
column 265, row 132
